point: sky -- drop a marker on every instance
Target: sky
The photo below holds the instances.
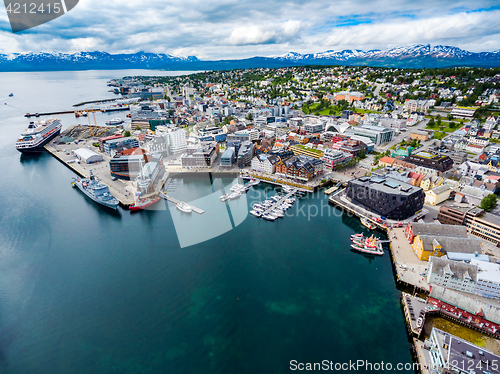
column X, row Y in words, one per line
column 226, row 29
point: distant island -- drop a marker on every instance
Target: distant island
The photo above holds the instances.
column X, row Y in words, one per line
column 417, row 56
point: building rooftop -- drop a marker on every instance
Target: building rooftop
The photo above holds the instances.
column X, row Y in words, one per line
column 388, row 185
column 433, row 229
column 469, row 303
column 461, row 270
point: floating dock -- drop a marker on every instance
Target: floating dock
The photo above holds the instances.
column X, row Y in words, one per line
column 176, row 201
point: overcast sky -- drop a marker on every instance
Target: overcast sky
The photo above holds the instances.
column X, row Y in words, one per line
column 245, row 28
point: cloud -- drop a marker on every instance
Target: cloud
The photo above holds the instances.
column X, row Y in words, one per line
column 245, row 28
column 264, row 34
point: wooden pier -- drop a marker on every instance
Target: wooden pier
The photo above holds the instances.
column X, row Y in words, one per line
column 176, row 201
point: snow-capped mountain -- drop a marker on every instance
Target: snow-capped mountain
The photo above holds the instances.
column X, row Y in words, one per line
column 412, row 56
column 416, row 56
column 87, row 60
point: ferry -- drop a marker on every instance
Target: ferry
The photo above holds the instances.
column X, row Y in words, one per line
column 114, row 122
column 365, row 222
column 38, row 134
column 143, row 203
column 183, row 207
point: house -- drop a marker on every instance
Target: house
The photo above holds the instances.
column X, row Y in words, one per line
column 437, row 195
column 386, row 161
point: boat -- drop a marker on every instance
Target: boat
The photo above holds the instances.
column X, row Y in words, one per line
column 38, row 134
column 372, row 251
column 367, row 245
column 234, row 195
column 268, row 217
column 224, row 197
column 255, row 213
column 236, row 187
column 357, row 236
column 11, row 94
column 276, row 213
column 114, row 122
column 368, row 224
column 144, row 203
column 183, row 207
column 96, row 190
column 246, row 177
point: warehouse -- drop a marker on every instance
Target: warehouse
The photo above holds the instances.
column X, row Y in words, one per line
column 87, row 156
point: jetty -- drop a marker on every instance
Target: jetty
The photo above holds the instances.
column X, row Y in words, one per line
column 176, row 201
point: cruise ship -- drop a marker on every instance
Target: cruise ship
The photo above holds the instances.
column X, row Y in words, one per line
column 38, row 134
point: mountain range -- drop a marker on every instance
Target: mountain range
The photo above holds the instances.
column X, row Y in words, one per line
column 416, row 56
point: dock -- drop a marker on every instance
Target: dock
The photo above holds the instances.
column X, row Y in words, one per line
column 333, row 189
column 280, row 182
column 176, row 201
column 104, row 110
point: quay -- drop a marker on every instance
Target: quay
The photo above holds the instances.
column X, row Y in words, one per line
column 104, row 110
column 407, row 268
column 333, row 189
column 121, row 190
column 176, row 201
column 280, row 182
column 94, row 101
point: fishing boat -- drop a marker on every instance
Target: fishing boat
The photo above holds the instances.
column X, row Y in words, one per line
column 365, row 222
column 367, row 245
column 144, row 203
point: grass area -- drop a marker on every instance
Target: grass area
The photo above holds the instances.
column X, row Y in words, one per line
column 445, row 126
column 463, row 332
column 365, row 111
column 438, row 135
column 313, row 150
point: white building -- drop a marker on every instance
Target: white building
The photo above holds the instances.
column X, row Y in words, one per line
column 265, row 163
column 488, row 279
column 452, row 274
column 88, row 156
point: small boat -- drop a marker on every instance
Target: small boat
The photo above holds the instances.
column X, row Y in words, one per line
column 276, row 213
column 144, row 203
column 246, row 177
column 234, row 195
column 368, row 224
column 255, row 213
column 11, row 94
column 357, row 236
column 224, row 197
column 182, row 206
column 268, row 217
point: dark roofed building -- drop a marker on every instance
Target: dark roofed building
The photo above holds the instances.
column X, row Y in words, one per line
column 430, row 160
column 386, row 196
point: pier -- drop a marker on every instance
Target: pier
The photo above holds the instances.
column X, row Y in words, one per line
column 104, row 110
column 176, row 201
column 333, row 189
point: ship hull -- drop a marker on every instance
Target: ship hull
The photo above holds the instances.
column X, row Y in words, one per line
column 39, row 147
column 103, row 203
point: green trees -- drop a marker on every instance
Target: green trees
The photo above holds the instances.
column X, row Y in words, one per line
column 126, row 133
column 431, row 123
column 489, row 202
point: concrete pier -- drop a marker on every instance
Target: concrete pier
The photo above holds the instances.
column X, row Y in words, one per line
column 176, row 201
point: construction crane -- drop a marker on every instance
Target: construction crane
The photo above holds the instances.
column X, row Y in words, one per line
column 95, row 122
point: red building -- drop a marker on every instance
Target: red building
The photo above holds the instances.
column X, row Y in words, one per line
column 466, row 309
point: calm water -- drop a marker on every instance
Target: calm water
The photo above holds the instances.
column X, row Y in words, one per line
column 86, row 291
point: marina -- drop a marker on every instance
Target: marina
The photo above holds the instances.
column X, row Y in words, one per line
column 275, row 207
